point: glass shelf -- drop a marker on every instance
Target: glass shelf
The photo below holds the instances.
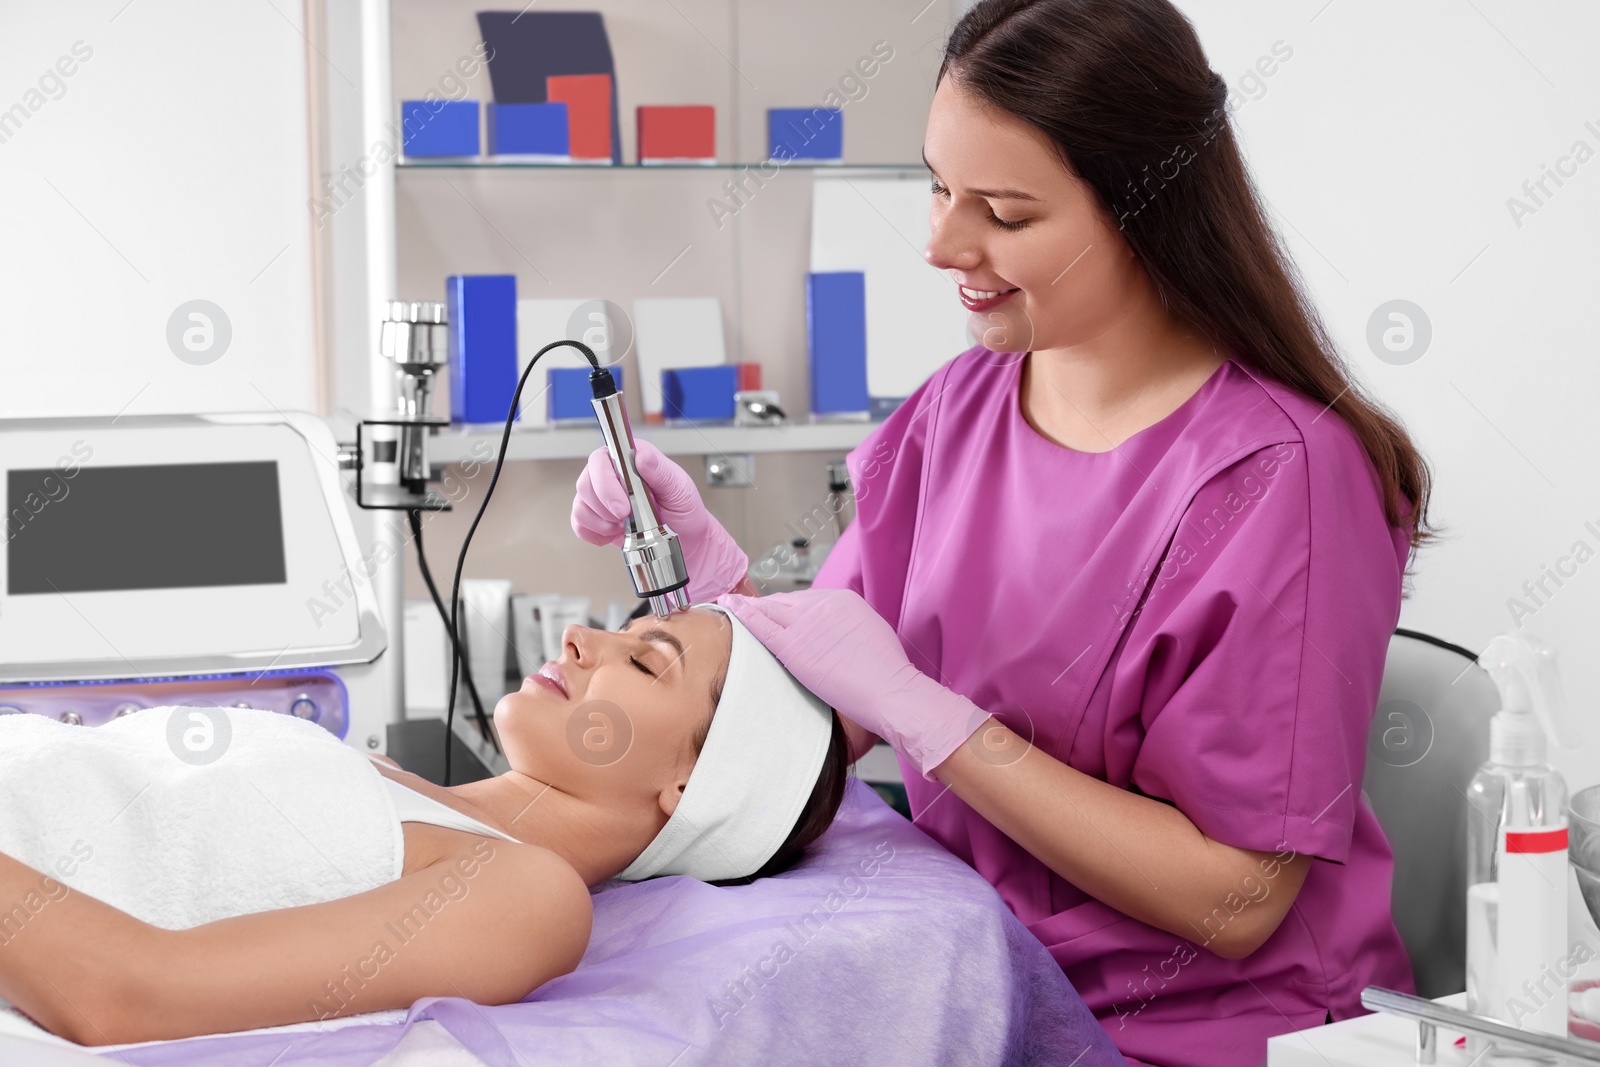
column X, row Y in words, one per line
column 459, row 444
column 490, row 163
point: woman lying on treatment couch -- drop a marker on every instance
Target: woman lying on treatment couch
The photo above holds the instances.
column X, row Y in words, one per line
column 674, row 746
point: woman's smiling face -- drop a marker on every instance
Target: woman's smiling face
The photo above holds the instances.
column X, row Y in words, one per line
column 618, row 723
column 1041, row 263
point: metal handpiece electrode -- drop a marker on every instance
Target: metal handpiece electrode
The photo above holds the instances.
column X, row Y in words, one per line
column 650, row 548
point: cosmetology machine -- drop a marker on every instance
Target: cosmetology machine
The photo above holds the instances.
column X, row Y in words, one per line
column 207, row 560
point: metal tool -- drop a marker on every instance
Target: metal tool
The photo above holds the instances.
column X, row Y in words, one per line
column 650, row 548
column 757, row 407
column 1430, row 1016
column 414, row 337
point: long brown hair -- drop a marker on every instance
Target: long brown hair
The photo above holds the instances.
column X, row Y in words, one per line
column 823, row 804
column 1123, row 89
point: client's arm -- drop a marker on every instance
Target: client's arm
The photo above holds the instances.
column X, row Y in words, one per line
column 98, row 976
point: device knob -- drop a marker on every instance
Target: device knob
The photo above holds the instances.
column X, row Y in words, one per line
column 303, row 708
column 71, row 718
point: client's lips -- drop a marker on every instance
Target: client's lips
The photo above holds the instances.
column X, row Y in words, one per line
column 550, row 676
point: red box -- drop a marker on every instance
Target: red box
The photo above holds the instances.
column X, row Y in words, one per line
column 588, row 100
column 677, row 132
column 749, row 376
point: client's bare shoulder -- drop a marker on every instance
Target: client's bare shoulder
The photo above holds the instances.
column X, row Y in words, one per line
column 531, row 874
column 546, row 881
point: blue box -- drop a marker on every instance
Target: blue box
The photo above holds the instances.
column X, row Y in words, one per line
column 439, row 127
column 836, row 325
column 699, row 392
column 570, row 395
column 482, row 309
column 529, row 130
column 805, row 133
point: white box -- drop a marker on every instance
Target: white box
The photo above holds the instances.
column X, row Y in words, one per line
column 673, row 332
column 541, row 321
column 427, row 661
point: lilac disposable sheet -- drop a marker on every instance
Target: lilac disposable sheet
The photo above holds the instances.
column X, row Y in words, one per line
column 880, row 948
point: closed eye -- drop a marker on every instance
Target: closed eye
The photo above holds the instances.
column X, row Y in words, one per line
column 658, row 635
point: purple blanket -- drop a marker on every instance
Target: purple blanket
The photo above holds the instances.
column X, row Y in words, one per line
column 880, row 948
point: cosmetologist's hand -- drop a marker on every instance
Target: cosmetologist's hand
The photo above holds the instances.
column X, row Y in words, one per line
column 851, row 658
column 600, row 512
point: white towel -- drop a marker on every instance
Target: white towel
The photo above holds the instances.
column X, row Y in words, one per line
column 145, row 815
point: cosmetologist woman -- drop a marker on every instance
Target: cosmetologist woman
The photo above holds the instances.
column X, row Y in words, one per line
column 1122, row 578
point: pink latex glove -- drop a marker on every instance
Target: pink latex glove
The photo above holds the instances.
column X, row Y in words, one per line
column 844, row 652
column 600, row 511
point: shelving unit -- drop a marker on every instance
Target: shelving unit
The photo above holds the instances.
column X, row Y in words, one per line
column 512, row 163
column 800, row 436
column 623, row 238
column 459, row 444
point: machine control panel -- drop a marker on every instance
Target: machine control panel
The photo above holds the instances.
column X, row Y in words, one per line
column 317, row 696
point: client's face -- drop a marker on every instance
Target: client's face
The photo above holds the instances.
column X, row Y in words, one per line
column 623, row 731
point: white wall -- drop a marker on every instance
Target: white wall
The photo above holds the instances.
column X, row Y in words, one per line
column 1388, row 146
column 170, row 166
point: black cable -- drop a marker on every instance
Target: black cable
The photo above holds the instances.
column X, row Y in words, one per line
column 1440, row 642
column 499, row 461
column 414, row 516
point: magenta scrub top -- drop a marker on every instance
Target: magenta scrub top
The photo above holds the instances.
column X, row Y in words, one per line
column 1200, row 615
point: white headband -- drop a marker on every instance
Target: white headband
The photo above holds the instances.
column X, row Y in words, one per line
column 769, row 736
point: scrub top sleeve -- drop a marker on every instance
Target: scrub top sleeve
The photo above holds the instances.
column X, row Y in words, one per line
column 886, row 472
column 1258, row 653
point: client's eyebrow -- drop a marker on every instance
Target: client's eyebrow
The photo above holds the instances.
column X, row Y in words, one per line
column 666, row 637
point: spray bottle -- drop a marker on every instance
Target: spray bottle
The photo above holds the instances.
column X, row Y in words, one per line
column 1517, row 847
